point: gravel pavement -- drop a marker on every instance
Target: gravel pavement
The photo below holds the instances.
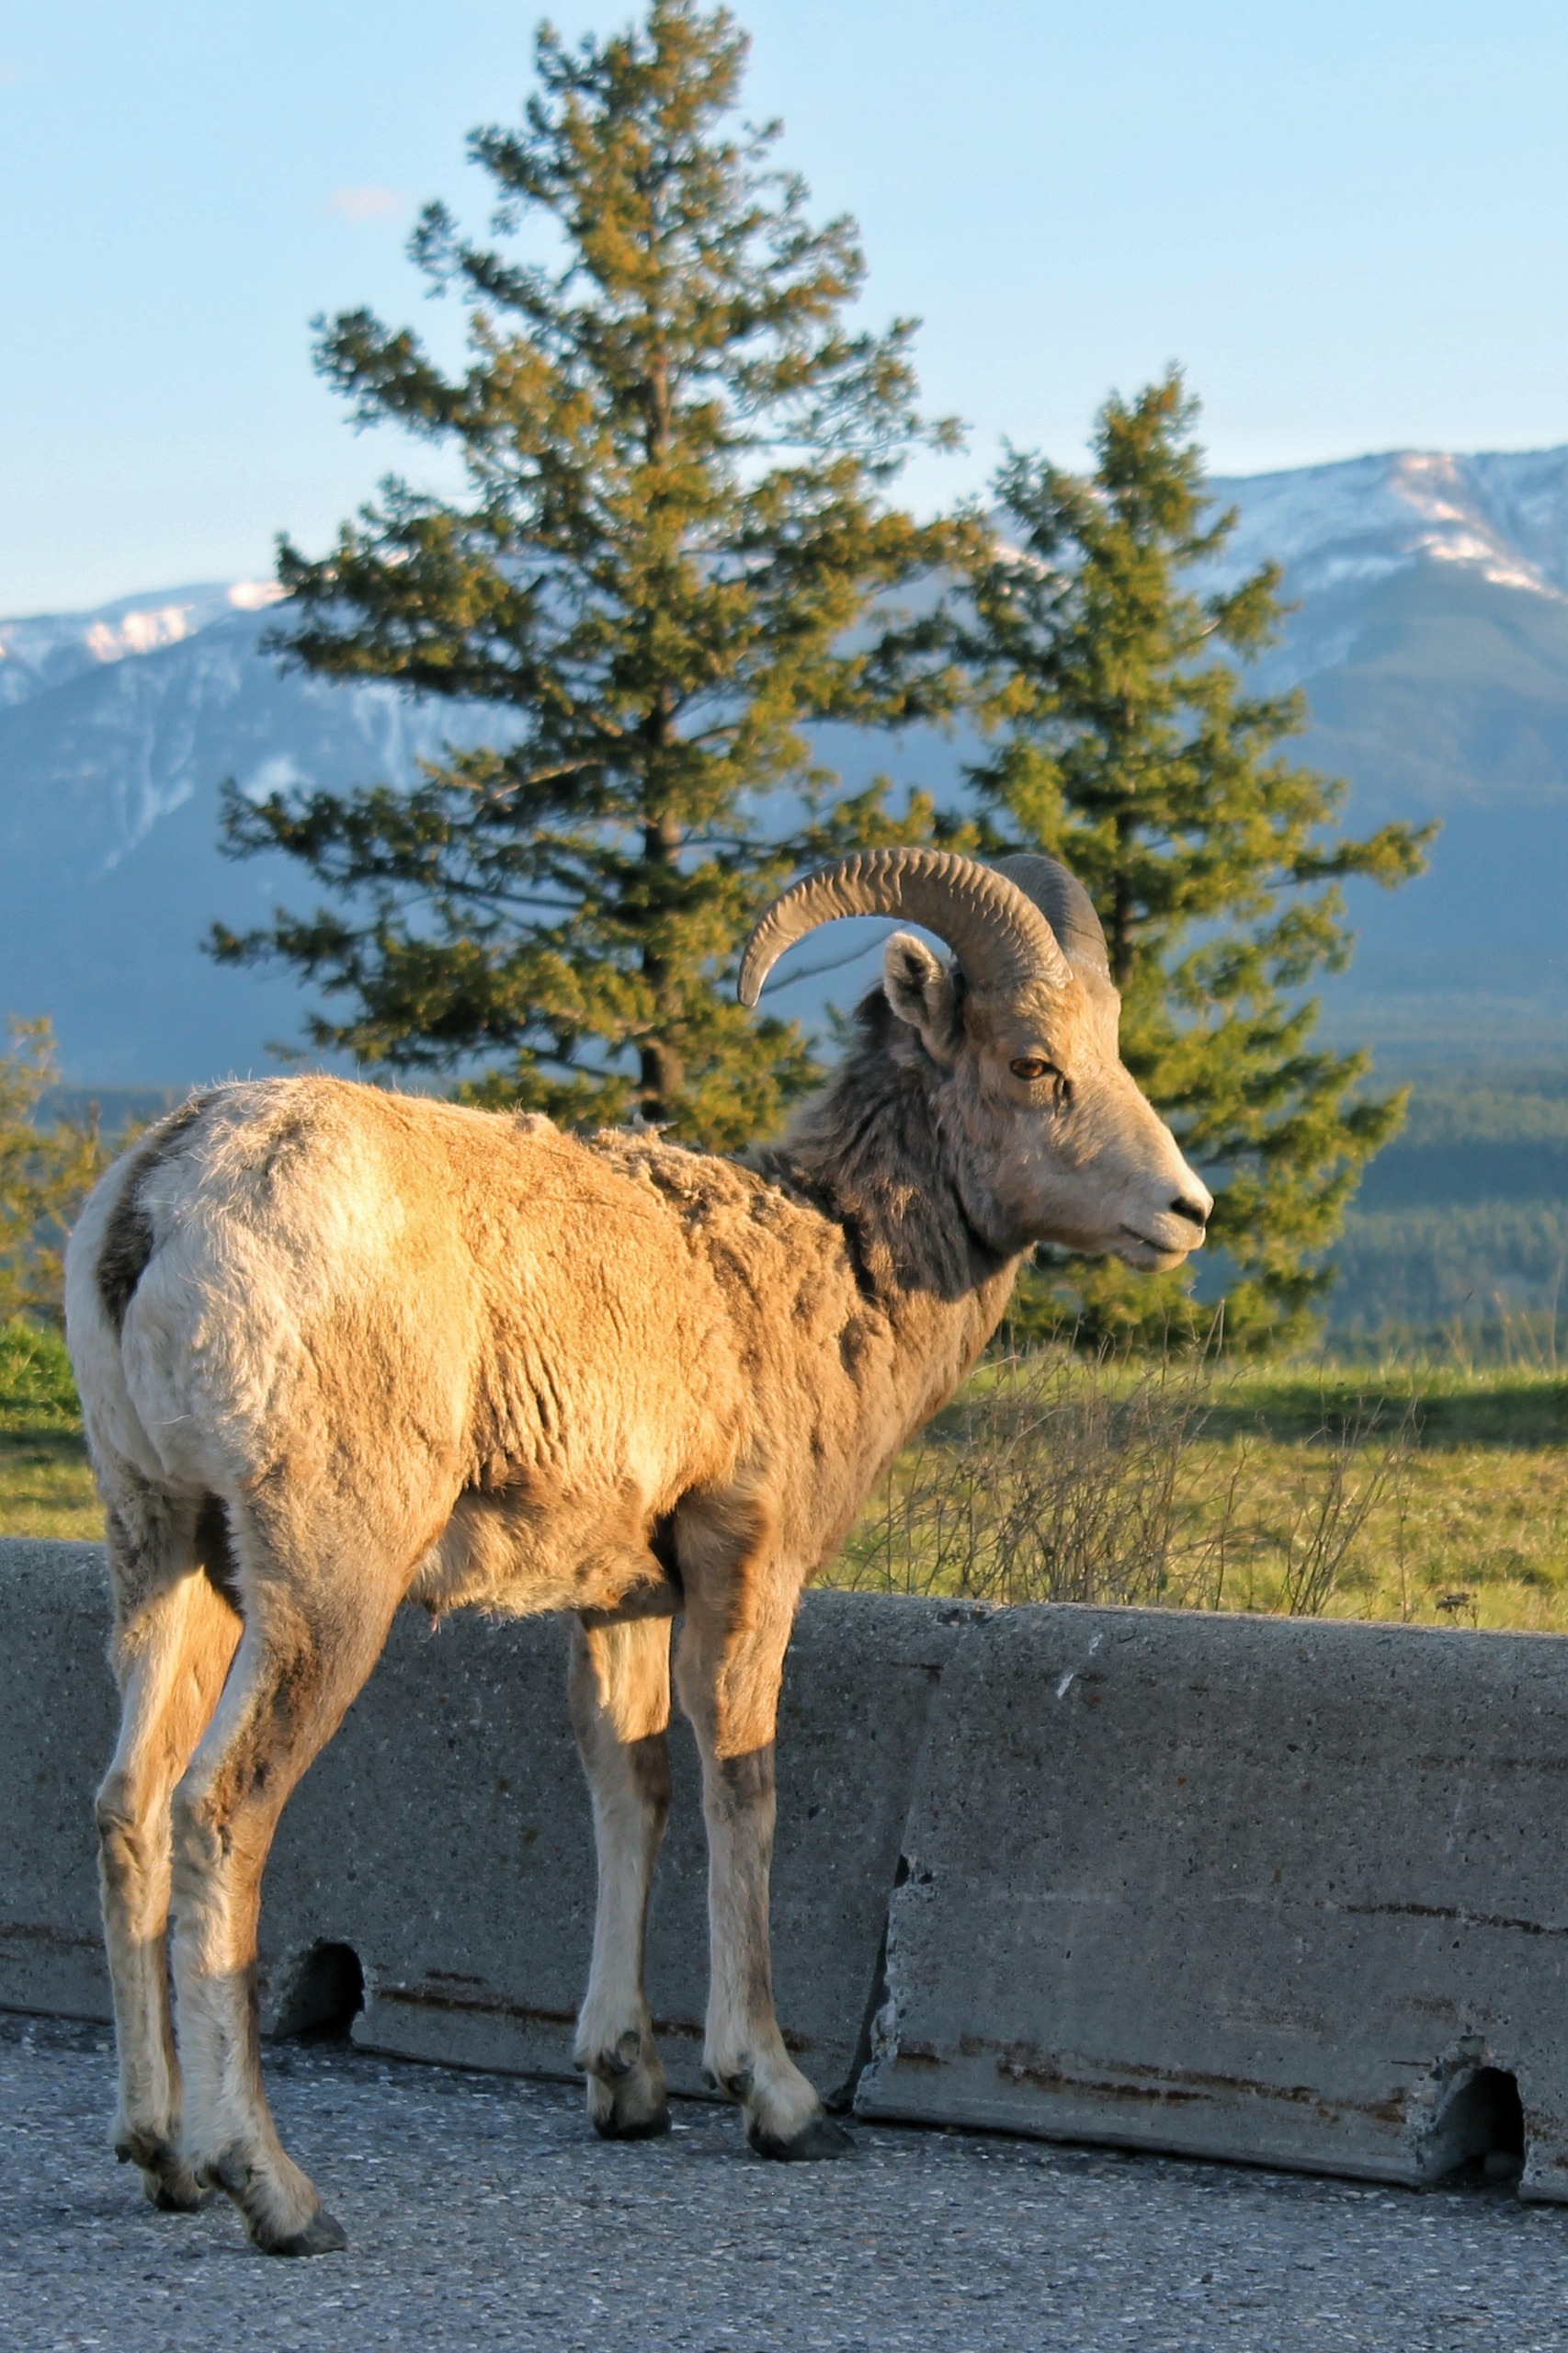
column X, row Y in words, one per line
column 482, row 2213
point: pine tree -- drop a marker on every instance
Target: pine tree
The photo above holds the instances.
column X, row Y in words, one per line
column 676, row 524
column 1127, row 746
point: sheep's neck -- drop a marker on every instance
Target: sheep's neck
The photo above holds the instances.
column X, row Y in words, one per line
column 867, row 1154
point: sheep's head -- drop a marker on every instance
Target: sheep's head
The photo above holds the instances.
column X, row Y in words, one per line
column 1047, row 1134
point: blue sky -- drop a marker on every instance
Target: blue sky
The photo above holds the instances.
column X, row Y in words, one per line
column 1350, row 222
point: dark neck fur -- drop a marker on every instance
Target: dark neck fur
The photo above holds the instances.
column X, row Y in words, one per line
column 869, row 1152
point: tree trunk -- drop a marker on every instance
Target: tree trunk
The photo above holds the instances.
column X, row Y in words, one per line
column 660, row 1074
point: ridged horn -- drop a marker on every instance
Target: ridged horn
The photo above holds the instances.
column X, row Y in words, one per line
column 994, row 929
column 1066, row 906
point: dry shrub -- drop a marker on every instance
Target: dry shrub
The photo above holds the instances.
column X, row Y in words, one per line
column 1355, row 1467
column 1057, row 1478
column 1053, row 1478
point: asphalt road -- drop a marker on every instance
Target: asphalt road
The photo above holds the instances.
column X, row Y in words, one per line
column 482, row 2213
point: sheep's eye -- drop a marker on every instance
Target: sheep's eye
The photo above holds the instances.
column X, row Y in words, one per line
column 1033, row 1066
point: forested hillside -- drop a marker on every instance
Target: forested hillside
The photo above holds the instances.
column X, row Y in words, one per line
column 1460, row 1234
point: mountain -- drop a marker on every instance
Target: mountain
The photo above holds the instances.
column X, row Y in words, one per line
column 1431, row 635
column 117, row 728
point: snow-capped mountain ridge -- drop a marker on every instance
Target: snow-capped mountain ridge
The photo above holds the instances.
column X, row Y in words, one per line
column 116, row 729
column 1502, row 514
column 41, row 651
column 144, row 628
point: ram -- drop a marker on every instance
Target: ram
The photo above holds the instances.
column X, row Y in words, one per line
column 339, row 1349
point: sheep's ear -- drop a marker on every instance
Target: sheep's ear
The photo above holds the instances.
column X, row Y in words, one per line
column 920, row 990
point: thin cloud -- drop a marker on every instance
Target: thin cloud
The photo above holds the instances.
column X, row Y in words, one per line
column 9, row 75
column 371, row 203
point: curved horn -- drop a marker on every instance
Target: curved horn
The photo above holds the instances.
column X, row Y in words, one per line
column 994, row 929
column 1065, row 904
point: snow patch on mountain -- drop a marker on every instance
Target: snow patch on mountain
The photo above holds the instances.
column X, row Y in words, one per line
column 40, row 652
column 144, row 628
column 280, row 772
column 251, row 595
column 1503, row 514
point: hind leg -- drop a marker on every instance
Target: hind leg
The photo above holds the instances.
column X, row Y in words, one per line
column 316, row 1618
column 620, row 1690
column 173, row 1642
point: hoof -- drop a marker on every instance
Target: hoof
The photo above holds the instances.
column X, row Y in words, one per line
column 818, row 2138
column 626, row 2089
column 168, row 2181
column 645, row 2128
column 177, row 2192
column 258, row 2191
column 322, row 2234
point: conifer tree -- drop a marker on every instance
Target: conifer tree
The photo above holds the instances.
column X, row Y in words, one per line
column 676, row 523
column 1126, row 743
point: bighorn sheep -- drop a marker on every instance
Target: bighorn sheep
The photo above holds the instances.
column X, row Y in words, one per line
column 340, row 1350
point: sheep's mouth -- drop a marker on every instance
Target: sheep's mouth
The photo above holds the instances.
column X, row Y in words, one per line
column 1160, row 1249
column 1148, row 1257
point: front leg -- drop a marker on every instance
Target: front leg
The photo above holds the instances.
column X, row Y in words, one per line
column 729, row 1667
column 619, row 1691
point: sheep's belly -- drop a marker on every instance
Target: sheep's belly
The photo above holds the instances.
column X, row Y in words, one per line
column 523, row 1557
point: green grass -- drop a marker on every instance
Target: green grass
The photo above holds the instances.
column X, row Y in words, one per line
column 1471, row 1522
column 1449, row 1405
column 46, row 1487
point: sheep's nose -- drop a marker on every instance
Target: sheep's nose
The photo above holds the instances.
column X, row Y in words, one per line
column 1193, row 1212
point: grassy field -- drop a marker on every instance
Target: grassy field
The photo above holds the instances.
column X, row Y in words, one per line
column 46, row 1488
column 1437, row 1494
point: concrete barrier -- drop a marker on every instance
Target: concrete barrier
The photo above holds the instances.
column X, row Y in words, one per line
column 59, row 1714
column 445, row 1835
column 1290, row 1891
